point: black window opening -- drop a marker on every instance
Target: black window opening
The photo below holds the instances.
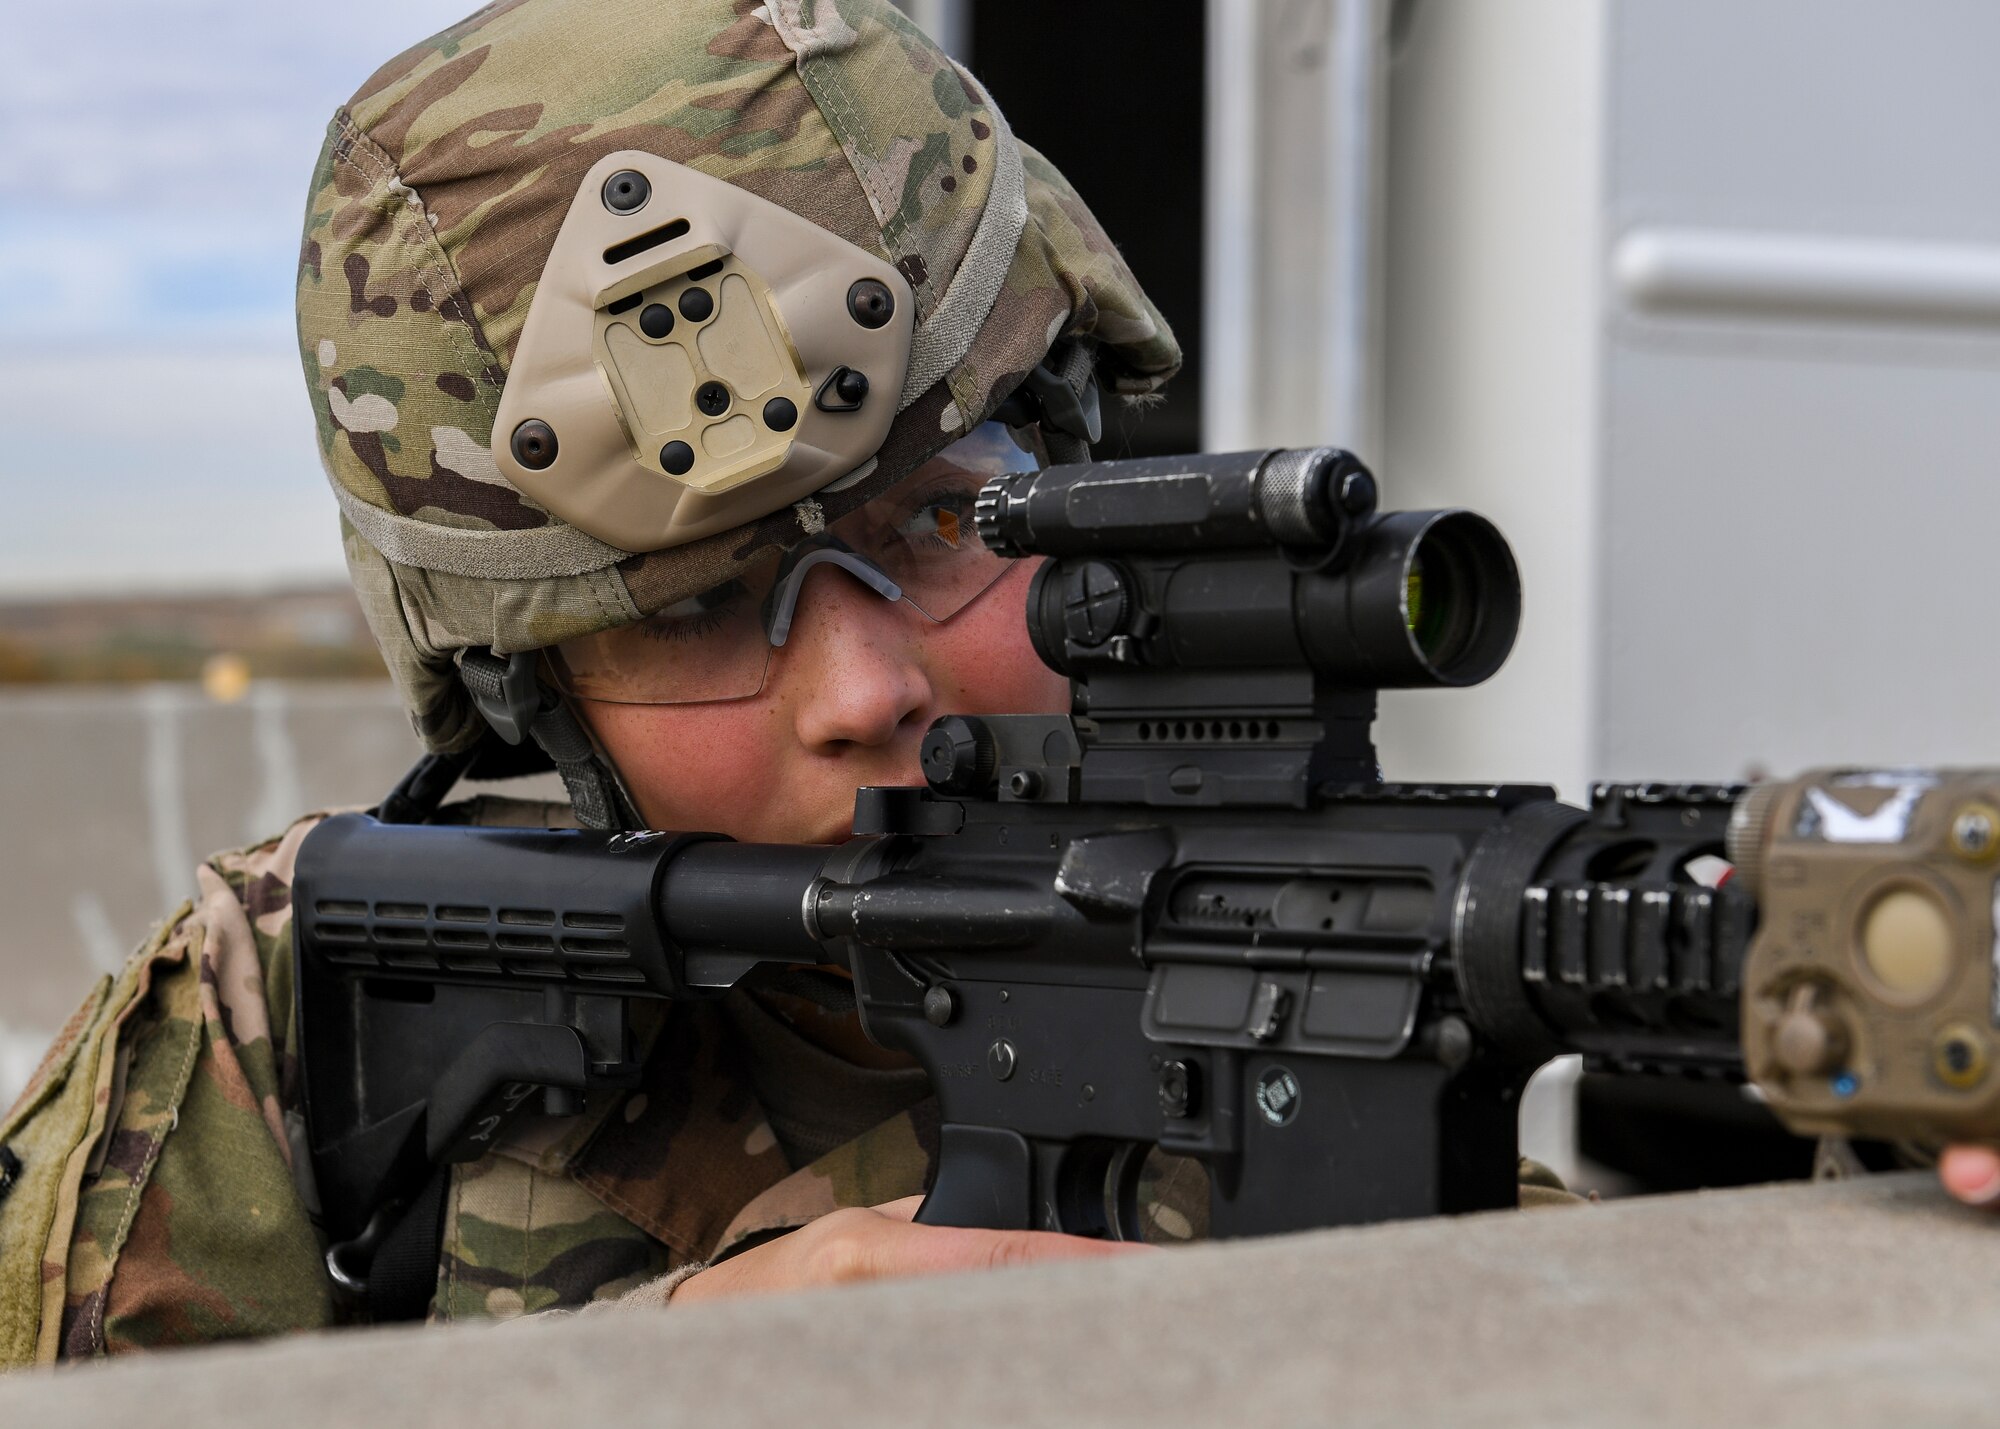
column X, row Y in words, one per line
column 1113, row 94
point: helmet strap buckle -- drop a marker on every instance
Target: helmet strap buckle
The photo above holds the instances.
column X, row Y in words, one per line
column 511, row 697
column 505, row 689
column 1061, row 394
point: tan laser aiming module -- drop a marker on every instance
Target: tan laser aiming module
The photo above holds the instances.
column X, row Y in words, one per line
column 1869, row 991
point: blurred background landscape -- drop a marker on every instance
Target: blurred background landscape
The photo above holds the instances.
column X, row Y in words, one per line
column 1699, row 301
column 224, row 640
column 182, row 667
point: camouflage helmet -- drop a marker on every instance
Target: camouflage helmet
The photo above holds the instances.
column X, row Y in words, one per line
column 440, row 193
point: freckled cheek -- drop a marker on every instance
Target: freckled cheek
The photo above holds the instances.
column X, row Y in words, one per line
column 690, row 766
column 982, row 661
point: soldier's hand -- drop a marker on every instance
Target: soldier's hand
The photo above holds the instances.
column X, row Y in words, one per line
column 1972, row 1174
column 881, row 1243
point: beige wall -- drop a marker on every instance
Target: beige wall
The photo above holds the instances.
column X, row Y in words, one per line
column 1402, row 258
column 1491, row 355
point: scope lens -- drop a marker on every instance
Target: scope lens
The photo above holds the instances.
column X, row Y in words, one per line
column 1430, row 598
column 1440, row 618
column 1414, row 610
column 1461, row 596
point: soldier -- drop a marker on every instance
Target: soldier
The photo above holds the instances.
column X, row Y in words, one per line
column 658, row 639
column 865, row 196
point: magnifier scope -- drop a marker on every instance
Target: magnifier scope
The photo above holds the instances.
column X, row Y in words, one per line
column 1255, row 560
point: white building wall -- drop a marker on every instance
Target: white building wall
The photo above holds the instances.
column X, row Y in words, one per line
column 1493, row 358
column 1700, row 301
column 1802, row 386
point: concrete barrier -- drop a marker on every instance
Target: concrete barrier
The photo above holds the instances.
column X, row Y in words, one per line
column 1865, row 1303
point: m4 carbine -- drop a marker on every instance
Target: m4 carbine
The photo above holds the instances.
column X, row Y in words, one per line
column 1190, row 914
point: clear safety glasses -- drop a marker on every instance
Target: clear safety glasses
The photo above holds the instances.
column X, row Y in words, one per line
column 914, row 543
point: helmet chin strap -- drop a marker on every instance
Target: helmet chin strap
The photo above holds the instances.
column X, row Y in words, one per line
column 513, row 700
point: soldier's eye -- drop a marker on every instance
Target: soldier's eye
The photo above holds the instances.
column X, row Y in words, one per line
column 698, row 615
column 940, row 519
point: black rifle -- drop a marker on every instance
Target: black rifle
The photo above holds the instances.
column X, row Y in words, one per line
column 1188, row 915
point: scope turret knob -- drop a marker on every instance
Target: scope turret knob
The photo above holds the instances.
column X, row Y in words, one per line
column 1096, row 602
column 1311, row 499
column 958, row 755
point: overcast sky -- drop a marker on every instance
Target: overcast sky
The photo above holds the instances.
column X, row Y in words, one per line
column 153, row 164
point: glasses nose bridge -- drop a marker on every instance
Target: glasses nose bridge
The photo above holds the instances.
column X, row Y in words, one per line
column 782, row 604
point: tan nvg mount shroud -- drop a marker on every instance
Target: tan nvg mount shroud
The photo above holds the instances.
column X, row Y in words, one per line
column 696, row 357
column 1870, row 999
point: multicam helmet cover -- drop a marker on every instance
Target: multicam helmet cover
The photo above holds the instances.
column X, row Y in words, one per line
column 437, row 201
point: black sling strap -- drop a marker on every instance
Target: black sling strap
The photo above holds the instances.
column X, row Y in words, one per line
column 404, row 1273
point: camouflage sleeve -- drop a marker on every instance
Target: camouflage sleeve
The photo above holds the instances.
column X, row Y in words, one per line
column 1541, row 1187
column 172, row 1214
column 649, row 1297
